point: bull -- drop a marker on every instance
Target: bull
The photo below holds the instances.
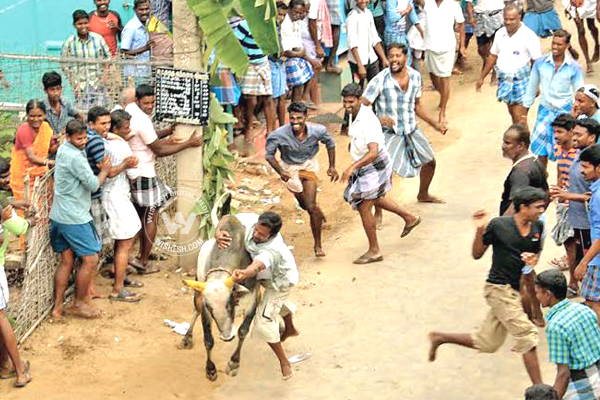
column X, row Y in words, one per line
column 216, row 296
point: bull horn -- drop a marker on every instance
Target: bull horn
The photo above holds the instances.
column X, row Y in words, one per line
column 196, row 285
column 229, row 282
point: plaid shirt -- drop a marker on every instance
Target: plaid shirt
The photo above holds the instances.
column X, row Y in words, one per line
column 573, row 335
column 393, row 102
column 85, row 75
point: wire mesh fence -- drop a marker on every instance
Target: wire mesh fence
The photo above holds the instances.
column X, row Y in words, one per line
column 85, row 83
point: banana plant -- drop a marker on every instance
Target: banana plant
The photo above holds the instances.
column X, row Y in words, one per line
column 213, row 21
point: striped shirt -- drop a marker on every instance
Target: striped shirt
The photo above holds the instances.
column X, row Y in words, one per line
column 573, row 335
column 564, row 161
column 94, row 150
column 85, row 75
column 242, row 33
column 391, row 101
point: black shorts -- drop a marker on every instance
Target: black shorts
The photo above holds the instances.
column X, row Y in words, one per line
column 584, row 242
column 372, row 71
column 485, row 39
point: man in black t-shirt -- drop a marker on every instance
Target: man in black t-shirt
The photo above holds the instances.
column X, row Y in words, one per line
column 516, row 241
column 526, row 171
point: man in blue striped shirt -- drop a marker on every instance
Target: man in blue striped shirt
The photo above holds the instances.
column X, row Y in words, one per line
column 256, row 83
column 573, row 339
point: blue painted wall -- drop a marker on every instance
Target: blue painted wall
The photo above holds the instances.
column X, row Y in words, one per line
column 33, row 26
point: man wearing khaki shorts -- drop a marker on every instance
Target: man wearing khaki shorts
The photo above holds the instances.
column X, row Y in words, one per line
column 516, row 241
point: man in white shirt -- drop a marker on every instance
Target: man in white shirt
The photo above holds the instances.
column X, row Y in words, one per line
column 515, row 48
column 440, row 42
column 274, row 267
column 148, row 192
column 587, row 11
column 364, row 43
column 369, row 177
column 486, row 19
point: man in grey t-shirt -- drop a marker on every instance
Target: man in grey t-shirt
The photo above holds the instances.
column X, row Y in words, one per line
column 585, row 133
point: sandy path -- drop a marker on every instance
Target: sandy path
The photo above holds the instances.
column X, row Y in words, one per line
column 365, row 326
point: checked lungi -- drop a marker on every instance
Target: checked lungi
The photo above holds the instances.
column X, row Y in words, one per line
column 512, row 86
column 488, row 22
column 409, row 152
column 150, row 192
column 299, row 71
column 370, row 182
column 590, row 286
column 257, row 80
column 584, row 384
column 542, row 137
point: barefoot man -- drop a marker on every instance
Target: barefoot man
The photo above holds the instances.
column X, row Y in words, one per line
column 516, row 240
column 555, row 77
column 396, row 94
column 274, row 266
column 298, row 144
column 72, row 231
column 369, row 177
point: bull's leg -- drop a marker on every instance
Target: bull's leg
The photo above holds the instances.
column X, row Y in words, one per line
column 209, row 342
column 234, row 362
column 188, row 339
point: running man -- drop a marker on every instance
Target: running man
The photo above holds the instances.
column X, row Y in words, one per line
column 298, row 144
column 516, row 241
column 369, row 177
column 396, row 93
column 581, row 11
column 515, row 47
column 557, row 76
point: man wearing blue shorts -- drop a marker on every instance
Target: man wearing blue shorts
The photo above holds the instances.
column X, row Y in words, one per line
column 72, row 231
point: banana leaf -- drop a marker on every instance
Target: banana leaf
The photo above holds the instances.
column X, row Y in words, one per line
column 212, row 19
column 261, row 15
column 216, row 113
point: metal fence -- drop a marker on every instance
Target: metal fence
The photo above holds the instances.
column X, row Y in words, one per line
column 86, row 82
column 100, row 82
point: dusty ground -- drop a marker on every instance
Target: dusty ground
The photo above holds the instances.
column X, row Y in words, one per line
column 364, row 326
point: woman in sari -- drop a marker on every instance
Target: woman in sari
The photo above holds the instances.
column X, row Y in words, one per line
column 30, row 153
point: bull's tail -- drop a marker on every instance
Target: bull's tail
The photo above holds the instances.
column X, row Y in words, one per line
column 221, row 207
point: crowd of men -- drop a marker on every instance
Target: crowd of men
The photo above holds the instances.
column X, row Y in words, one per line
column 105, row 179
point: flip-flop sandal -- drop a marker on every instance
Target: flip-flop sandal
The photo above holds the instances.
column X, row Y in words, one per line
column 132, row 283
column 572, row 293
column 408, row 229
column 367, row 260
column 151, row 268
column 18, row 384
column 125, row 296
column 13, row 372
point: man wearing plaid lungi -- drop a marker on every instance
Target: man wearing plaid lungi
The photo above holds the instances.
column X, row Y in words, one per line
column 556, row 76
column 588, row 269
column 515, row 46
column 148, row 192
column 573, row 339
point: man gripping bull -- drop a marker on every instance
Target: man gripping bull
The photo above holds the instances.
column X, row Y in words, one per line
column 274, row 266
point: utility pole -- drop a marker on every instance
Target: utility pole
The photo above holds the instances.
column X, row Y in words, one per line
column 187, row 47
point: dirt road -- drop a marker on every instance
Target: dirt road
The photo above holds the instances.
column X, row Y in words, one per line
column 364, row 326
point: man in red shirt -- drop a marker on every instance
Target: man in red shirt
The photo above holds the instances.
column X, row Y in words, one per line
column 106, row 23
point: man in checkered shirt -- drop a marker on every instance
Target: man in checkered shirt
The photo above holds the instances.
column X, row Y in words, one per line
column 573, row 339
